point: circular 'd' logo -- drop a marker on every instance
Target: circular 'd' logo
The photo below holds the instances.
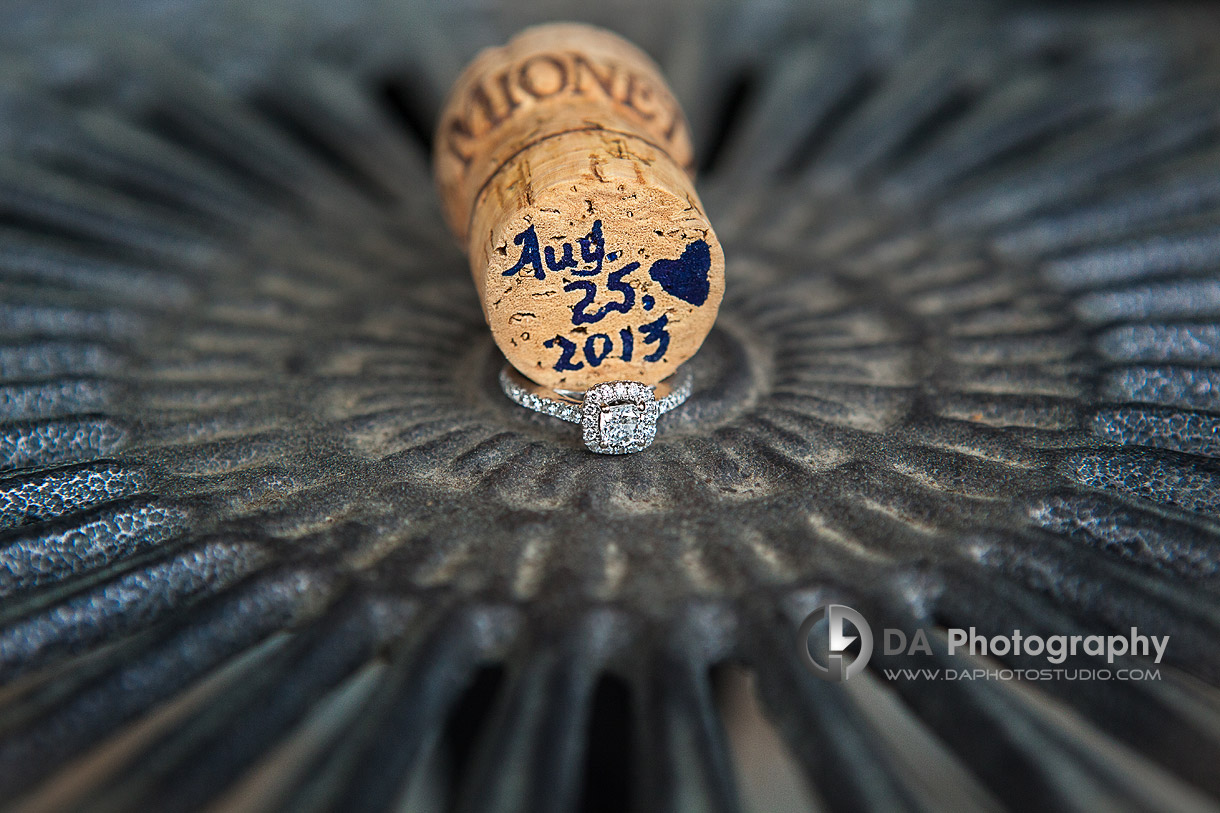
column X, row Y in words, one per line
column 836, row 616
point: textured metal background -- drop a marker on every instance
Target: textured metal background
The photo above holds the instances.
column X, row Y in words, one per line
column 272, row 539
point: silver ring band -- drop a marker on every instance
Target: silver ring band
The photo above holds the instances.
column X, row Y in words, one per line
column 618, row 417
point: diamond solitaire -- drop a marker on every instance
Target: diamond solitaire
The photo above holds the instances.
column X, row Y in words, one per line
column 617, row 417
column 619, row 423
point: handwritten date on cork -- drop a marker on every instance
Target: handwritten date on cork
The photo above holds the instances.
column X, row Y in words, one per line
column 601, row 282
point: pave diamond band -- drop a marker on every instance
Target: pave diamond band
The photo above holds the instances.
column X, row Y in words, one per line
column 617, row 417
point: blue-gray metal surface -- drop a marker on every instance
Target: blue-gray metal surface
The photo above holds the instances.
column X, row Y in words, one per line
column 270, row 535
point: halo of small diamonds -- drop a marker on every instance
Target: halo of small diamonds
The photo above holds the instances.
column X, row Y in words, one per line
column 619, row 417
column 616, row 417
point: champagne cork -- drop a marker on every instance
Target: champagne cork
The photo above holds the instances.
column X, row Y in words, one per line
column 564, row 166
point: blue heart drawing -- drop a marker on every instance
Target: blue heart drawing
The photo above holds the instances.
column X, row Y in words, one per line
column 686, row 277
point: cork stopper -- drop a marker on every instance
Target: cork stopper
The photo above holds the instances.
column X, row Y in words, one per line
column 564, row 167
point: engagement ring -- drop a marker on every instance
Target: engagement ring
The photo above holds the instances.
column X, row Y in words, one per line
column 618, row 417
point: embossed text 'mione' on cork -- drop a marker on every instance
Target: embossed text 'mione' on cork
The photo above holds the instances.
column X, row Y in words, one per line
column 564, row 167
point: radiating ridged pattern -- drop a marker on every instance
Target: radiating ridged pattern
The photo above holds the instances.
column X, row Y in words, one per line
column 271, row 538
